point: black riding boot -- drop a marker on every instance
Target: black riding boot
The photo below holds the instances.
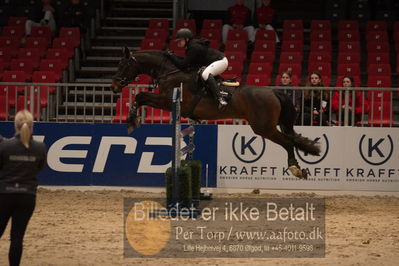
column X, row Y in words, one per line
column 215, row 90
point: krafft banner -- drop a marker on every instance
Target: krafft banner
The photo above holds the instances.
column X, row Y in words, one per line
column 105, row 155
column 350, row 159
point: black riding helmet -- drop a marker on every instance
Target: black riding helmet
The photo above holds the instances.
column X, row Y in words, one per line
column 184, row 34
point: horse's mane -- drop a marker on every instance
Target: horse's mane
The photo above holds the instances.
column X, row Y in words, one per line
column 151, row 52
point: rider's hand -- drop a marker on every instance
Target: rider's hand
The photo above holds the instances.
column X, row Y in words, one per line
column 169, row 53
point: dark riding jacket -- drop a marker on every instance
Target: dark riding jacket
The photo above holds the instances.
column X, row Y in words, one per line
column 198, row 54
column 19, row 165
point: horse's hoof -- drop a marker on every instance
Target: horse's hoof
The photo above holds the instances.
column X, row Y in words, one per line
column 132, row 124
column 298, row 172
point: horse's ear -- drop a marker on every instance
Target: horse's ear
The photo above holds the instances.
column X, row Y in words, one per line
column 126, row 52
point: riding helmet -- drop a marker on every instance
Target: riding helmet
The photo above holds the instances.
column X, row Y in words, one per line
column 184, row 34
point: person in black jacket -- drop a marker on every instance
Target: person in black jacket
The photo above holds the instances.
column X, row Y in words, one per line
column 21, row 158
column 43, row 15
column 199, row 54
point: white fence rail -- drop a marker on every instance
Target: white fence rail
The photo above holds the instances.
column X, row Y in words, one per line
column 96, row 103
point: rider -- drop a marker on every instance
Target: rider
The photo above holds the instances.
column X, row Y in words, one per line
column 199, row 54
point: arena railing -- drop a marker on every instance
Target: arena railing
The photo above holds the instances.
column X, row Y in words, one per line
column 96, row 103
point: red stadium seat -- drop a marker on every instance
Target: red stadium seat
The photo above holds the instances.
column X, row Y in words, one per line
column 71, row 32
column 379, row 81
column 292, row 46
column 10, row 42
column 155, row 33
column 6, row 53
column 16, row 21
column 323, row 46
column 295, row 80
column 349, row 47
column 260, row 69
column 377, row 47
column 14, row 31
column 265, row 35
column 4, row 108
column 380, row 114
column 348, row 36
column 263, row 57
column 265, row 46
column 295, row 69
column 37, row 42
column 186, row 23
column 3, row 65
column 291, row 57
column 64, row 43
column 155, row 115
column 211, row 34
column 376, row 26
column 212, row 24
column 61, row 54
column 233, row 69
column 13, row 76
column 320, row 25
column 356, row 80
column 258, row 80
column 215, row 44
column 320, row 35
column 45, row 77
column 348, row 25
column 43, row 32
column 292, row 24
column 122, row 109
column 293, row 35
column 237, row 35
column 319, row 56
column 236, row 57
column 54, row 65
column 379, row 69
column 159, row 23
column 25, row 103
column 236, row 46
column 348, row 69
column 26, row 65
column 378, row 96
column 377, row 36
column 152, row 44
column 348, row 58
column 175, row 49
column 31, row 53
column 323, row 68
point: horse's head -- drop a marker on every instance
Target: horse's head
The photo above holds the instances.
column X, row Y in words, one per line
column 127, row 71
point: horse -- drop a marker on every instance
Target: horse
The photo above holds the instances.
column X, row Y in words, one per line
column 262, row 107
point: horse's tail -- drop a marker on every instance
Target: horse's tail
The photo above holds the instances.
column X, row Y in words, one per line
column 288, row 116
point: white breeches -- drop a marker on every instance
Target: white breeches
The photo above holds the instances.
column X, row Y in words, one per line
column 249, row 29
column 216, row 68
column 48, row 16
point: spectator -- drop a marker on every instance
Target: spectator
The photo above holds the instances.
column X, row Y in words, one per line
column 75, row 16
column 295, row 95
column 264, row 18
column 318, row 109
column 43, row 15
column 355, row 110
column 239, row 17
column 21, row 158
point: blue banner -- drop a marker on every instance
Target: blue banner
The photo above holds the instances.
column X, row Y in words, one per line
column 105, row 155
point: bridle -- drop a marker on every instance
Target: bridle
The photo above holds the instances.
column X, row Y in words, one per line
column 124, row 81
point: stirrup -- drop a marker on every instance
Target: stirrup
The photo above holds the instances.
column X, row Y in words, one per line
column 222, row 103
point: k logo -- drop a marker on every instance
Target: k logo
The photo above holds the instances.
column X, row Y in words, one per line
column 376, row 151
column 248, row 149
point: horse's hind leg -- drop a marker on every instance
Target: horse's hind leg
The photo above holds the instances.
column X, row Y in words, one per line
column 283, row 140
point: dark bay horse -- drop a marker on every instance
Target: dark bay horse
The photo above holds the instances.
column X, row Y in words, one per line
column 263, row 108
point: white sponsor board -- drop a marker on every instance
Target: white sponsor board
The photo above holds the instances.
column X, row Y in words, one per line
column 350, row 159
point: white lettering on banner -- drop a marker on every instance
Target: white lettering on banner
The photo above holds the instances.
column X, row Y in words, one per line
column 351, row 158
column 56, row 152
column 38, row 138
column 105, row 146
column 146, row 165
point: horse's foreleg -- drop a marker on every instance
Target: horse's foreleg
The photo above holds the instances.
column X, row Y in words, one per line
column 143, row 98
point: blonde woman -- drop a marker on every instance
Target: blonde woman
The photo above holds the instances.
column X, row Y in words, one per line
column 21, row 158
